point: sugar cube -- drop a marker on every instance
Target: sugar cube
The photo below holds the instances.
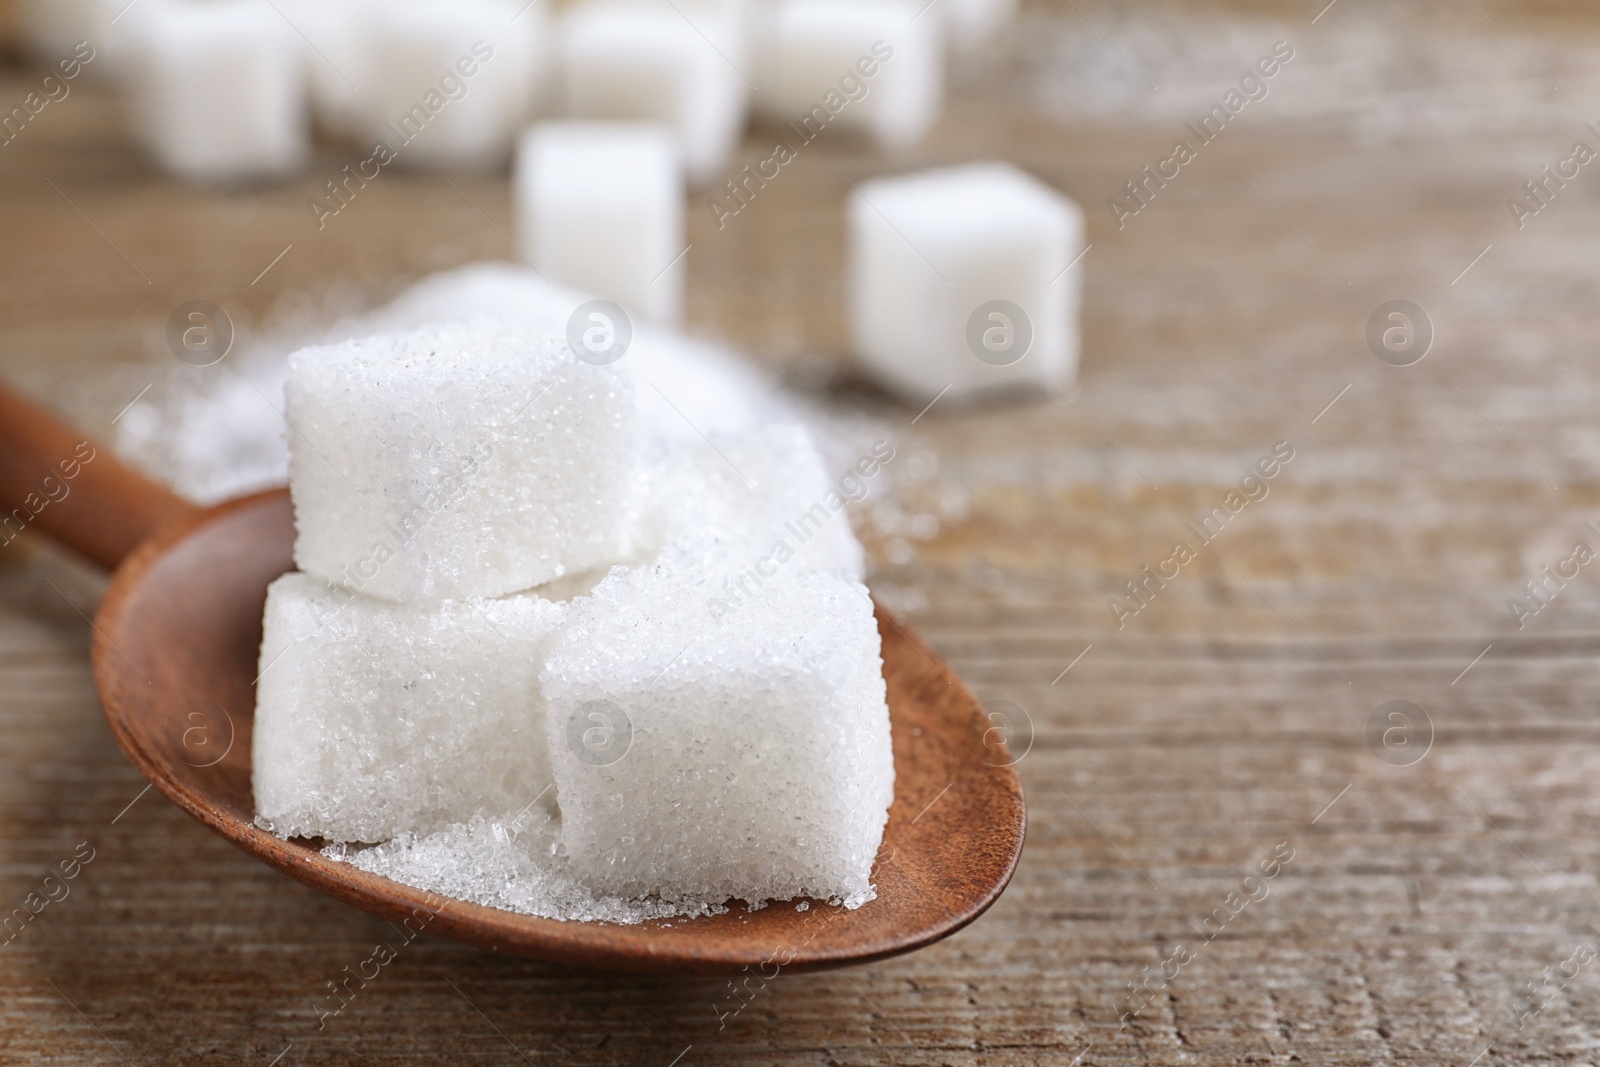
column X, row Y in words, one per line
column 462, row 461
column 374, row 719
column 600, row 208
column 702, row 760
column 960, row 279
column 659, row 61
column 873, row 66
column 452, row 81
column 219, row 89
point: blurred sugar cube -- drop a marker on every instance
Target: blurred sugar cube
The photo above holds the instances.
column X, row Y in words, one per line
column 660, row 61
column 219, row 89
column 461, row 461
column 374, row 719
column 452, row 81
column 599, row 207
column 960, row 279
column 699, row 761
column 873, row 66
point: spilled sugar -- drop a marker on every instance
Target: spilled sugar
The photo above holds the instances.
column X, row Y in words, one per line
column 514, row 863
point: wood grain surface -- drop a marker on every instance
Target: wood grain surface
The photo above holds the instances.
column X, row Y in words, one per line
column 1222, row 727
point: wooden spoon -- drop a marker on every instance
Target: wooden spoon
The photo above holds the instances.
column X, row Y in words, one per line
column 175, row 647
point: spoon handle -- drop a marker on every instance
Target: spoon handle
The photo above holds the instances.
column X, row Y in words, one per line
column 56, row 479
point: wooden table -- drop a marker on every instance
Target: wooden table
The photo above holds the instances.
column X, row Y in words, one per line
column 1227, row 719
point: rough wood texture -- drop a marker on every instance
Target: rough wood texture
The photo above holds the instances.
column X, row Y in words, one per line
column 1228, row 716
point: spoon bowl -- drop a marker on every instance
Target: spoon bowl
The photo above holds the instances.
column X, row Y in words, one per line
column 175, row 659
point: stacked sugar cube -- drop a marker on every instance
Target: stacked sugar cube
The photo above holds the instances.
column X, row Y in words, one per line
column 433, row 473
column 378, row 718
column 456, row 462
column 757, row 761
column 521, row 590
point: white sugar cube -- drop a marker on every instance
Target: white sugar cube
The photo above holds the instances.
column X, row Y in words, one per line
column 658, row 61
column 749, row 507
column 969, row 23
column 374, row 719
column 219, row 89
column 600, row 208
column 960, row 278
column 695, row 760
column 452, row 81
column 874, row 66
column 463, row 461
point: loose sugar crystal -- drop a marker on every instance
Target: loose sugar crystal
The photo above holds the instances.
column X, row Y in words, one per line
column 513, row 863
column 873, row 66
column 706, row 759
column 463, row 461
column 219, row 90
column 600, row 208
column 960, row 279
column 374, row 719
column 659, row 61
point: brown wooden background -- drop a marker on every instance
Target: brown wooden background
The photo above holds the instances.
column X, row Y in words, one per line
column 1224, row 719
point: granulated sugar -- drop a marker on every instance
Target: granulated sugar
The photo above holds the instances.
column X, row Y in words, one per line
column 514, row 863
